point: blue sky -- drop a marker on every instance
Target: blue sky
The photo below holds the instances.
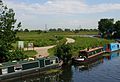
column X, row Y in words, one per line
column 34, row 14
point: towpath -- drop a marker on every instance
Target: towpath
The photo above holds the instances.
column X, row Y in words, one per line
column 43, row 51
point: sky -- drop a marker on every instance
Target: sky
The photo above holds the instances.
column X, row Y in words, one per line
column 73, row 14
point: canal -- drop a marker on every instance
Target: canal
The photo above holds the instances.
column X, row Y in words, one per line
column 105, row 69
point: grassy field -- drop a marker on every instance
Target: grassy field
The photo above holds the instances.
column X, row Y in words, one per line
column 84, row 42
column 39, row 40
column 30, row 53
column 46, row 39
column 52, row 38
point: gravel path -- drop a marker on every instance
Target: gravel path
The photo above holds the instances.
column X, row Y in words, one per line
column 43, row 51
column 70, row 40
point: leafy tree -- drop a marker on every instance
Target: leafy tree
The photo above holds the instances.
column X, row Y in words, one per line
column 52, row 30
column 63, row 51
column 116, row 29
column 67, row 30
column 60, row 30
column 7, row 33
column 16, row 55
column 106, row 26
column 76, row 31
column 39, row 31
column 26, row 30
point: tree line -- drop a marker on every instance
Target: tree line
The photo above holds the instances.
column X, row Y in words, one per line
column 56, row 30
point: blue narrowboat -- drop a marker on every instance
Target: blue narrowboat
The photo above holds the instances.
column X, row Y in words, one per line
column 24, row 68
column 112, row 47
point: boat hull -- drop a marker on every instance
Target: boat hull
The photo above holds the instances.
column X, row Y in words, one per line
column 88, row 59
column 26, row 73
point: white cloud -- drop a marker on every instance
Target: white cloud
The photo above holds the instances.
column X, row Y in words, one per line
column 62, row 7
column 30, row 13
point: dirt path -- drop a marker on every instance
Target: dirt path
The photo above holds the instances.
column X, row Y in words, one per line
column 70, row 40
column 43, row 51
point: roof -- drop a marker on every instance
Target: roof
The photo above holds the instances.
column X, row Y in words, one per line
column 8, row 64
column 91, row 49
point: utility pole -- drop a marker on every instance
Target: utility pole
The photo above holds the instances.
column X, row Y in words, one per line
column 46, row 27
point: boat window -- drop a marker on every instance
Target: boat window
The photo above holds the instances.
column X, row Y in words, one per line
column 47, row 62
column 11, row 69
column 30, row 65
column 51, row 62
column 102, row 49
column 0, row 71
column 4, row 71
column 118, row 46
column 18, row 67
column 95, row 52
column 56, row 60
column 90, row 53
column 41, row 63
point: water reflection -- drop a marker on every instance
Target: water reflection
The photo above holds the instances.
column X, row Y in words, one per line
column 97, row 61
column 112, row 55
column 89, row 65
column 66, row 75
column 103, row 69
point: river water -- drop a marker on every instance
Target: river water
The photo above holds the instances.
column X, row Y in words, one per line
column 105, row 69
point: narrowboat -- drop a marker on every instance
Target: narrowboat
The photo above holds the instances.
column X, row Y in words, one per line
column 14, row 70
column 88, row 55
column 112, row 47
column 90, row 64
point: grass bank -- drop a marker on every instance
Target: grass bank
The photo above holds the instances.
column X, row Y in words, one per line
column 30, row 53
column 84, row 42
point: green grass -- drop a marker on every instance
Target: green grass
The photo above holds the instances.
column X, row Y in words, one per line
column 42, row 39
column 52, row 38
column 84, row 42
column 46, row 39
column 87, row 42
column 30, row 53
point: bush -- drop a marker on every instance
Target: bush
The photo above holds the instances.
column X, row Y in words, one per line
column 63, row 51
column 16, row 55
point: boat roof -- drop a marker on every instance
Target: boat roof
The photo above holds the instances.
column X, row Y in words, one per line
column 8, row 64
column 91, row 49
column 115, row 43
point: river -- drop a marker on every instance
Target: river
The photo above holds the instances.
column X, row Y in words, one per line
column 105, row 69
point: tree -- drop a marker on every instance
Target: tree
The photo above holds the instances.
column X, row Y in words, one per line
column 63, row 51
column 67, row 30
column 39, row 31
column 116, row 33
column 60, row 30
column 7, row 33
column 52, row 30
column 76, row 31
column 26, row 30
column 106, row 26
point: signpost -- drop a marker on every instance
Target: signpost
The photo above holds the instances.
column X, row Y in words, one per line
column 30, row 45
column 21, row 44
